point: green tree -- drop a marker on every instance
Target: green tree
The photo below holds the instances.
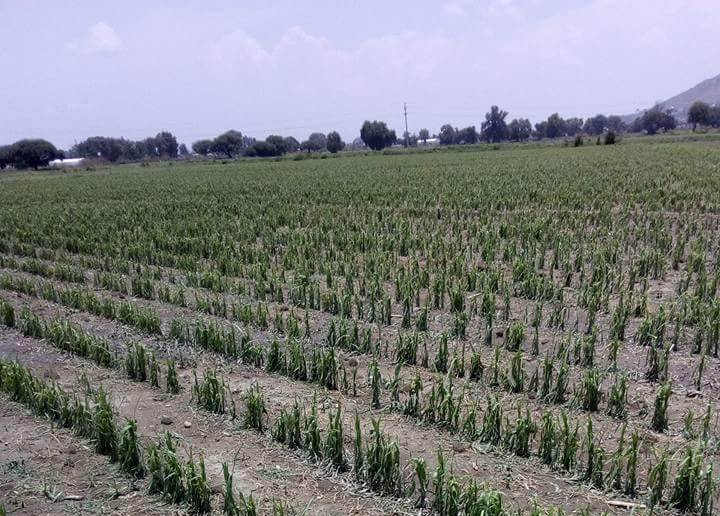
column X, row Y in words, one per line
column 555, row 126
column 423, row 135
column 616, row 124
column 334, row 143
column 467, row 135
column 262, row 149
column 573, row 126
column 316, row 142
column 699, row 114
column 4, row 156
column 229, row 143
column 596, row 125
column 166, row 144
column 202, row 147
column 278, row 142
column 519, row 129
column 494, row 128
column 715, row 116
column 33, row 153
column 655, row 120
column 291, row 144
column 447, row 135
column 376, row 135
column 110, row 149
column 541, row 129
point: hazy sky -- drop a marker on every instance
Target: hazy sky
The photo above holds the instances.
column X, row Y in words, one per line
column 79, row 68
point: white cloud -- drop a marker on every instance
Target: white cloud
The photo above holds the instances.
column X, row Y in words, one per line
column 456, row 7
column 239, row 48
column 102, row 38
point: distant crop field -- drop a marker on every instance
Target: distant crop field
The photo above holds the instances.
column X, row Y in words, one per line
column 452, row 333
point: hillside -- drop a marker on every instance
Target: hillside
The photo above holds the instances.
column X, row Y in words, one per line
column 707, row 91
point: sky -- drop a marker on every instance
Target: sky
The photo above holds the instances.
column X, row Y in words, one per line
column 83, row 68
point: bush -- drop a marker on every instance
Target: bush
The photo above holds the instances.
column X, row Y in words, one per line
column 579, row 141
column 610, row 138
column 30, row 154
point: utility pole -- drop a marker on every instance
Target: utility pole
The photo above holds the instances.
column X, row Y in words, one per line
column 407, row 134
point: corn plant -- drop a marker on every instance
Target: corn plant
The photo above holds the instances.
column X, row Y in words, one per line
column 333, row 450
column 105, row 432
column 631, row 461
column 198, row 490
column 477, row 368
column 657, row 480
column 212, row 394
column 359, row 460
column 617, row 398
column 568, row 438
column 519, row 437
column 172, row 380
column 514, row 337
column 558, row 393
column 548, row 439
column 514, row 378
column 687, row 479
column 442, row 356
column 375, row 381
column 595, row 459
column 30, row 324
column 590, row 392
column 7, row 314
column 382, row 463
column 130, row 454
column 136, row 362
column 287, row 427
column 421, row 474
column 255, row 413
column 659, row 419
column 491, row 431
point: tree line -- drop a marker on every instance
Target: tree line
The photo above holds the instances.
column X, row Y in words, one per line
column 376, row 135
column 233, row 143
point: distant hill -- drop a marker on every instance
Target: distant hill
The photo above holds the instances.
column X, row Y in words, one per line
column 707, row 91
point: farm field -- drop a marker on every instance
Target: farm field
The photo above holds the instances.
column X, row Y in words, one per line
column 530, row 331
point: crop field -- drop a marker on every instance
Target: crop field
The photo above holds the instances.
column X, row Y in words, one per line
column 519, row 331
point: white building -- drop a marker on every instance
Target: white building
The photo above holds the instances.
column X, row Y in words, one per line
column 66, row 163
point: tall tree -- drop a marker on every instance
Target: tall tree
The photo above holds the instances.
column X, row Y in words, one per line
column 467, row 135
column 423, row 135
column 616, row 124
column 494, row 128
column 573, row 126
column 655, row 120
column 110, row 149
column 291, row 144
column 278, row 142
column 334, row 142
column 699, row 114
column 166, row 144
column 376, row 135
column 596, row 125
column 316, row 142
column 229, row 143
column 31, row 153
column 714, row 116
column 519, row 129
column 447, row 135
column 202, row 147
column 555, row 126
